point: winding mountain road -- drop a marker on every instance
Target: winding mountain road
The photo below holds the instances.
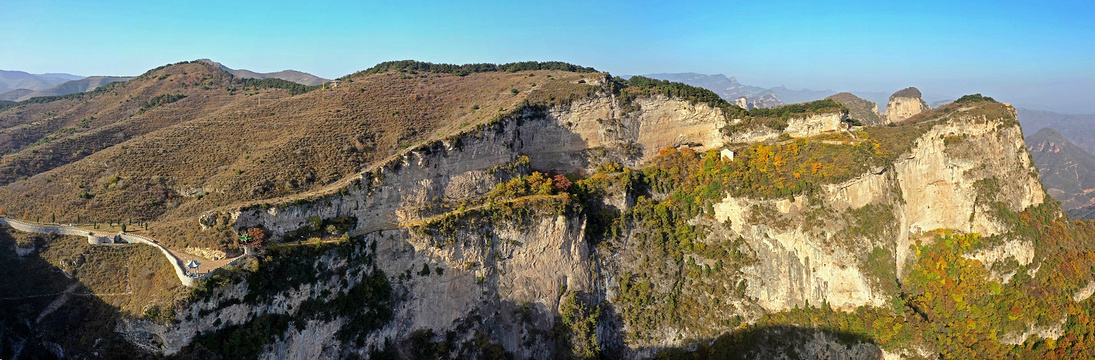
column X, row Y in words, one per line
column 187, row 278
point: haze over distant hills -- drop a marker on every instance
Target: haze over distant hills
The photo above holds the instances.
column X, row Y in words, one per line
column 11, row 80
column 730, row 89
column 1067, row 171
column 1079, row 129
column 20, row 86
column 65, row 88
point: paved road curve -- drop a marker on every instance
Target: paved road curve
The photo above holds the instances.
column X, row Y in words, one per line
column 176, row 263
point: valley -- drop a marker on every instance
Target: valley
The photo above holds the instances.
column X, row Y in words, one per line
column 531, row 210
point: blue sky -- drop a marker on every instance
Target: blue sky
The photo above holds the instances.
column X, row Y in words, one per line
column 1025, row 52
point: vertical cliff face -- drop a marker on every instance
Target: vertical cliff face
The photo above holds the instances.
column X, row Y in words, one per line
column 505, row 278
column 502, row 279
column 576, row 138
column 944, row 181
column 442, row 262
column 950, row 180
column 570, row 139
column 742, row 102
column 904, row 104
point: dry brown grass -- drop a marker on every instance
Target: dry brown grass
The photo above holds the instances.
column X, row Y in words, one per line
column 215, row 148
column 130, row 278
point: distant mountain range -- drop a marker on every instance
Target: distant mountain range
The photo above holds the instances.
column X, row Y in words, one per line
column 730, row 89
column 12, row 80
column 65, row 88
column 1067, row 171
column 298, row 77
column 20, row 86
column 1079, row 129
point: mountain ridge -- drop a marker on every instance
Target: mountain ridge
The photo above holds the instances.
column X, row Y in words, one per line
column 13, row 80
column 530, row 210
column 298, row 77
column 782, row 94
column 1067, row 171
column 69, row 87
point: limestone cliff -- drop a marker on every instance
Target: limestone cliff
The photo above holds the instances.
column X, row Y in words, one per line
column 795, row 127
column 767, row 100
column 506, row 280
column 937, row 184
column 570, row 139
column 480, row 273
column 904, row 104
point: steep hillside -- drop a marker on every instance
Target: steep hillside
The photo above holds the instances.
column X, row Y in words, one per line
column 45, row 133
column 1067, row 171
column 129, row 152
column 65, row 295
column 864, row 111
column 544, row 210
column 14, row 94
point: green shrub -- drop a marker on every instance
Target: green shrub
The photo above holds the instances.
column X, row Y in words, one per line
column 966, row 99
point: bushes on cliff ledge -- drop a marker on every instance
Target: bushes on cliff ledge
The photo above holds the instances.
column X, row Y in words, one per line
column 966, row 99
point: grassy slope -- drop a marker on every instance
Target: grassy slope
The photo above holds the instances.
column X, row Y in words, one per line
column 106, row 282
column 217, row 147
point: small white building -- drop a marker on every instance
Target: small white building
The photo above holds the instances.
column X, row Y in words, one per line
column 727, row 154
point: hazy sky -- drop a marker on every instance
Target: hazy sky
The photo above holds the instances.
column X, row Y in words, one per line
column 1026, row 52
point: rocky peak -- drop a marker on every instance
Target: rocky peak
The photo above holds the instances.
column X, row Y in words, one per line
column 1046, row 139
column 1066, row 169
column 909, row 92
column 905, row 104
column 860, row 109
column 768, row 100
column 765, row 101
column 742, row 102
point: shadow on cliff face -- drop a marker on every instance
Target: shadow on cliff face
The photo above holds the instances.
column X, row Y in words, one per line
column 779, row 342
column 81, row 327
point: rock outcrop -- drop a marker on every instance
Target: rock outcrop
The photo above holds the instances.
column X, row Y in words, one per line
column 860, row 109
column 904, row 104
column 483, row 276
column 765, row 101
column 928, row 188
column 742, row 102
column 566, row 140
column 797, row 127
column 1067, row 171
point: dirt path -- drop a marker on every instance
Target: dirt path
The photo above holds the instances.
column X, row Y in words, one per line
column 56, row 303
